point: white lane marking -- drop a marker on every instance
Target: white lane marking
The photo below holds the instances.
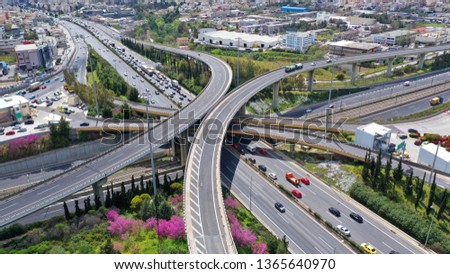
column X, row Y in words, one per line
column 9, row 206
column 39, row 193
column 236, row 188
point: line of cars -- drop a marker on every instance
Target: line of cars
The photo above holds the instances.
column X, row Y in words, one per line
column 16, row 128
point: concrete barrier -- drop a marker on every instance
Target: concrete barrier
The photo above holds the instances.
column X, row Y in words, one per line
column 54, row 157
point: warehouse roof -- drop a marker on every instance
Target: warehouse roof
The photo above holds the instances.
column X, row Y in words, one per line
column 354, row 45
column 223, row 34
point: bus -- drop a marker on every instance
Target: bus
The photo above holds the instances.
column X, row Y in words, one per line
column 34, row 86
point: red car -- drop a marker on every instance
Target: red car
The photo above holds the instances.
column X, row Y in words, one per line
column 12, row 132
column 305, row 180
column 43, row 86
column 297, row 193
column 262, row 151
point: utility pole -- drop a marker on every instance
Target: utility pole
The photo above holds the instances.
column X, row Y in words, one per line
column 251, row 185
column 429, row 228
column 238, row 62
column 434, row 162
column 152, row 160
column 328, row 109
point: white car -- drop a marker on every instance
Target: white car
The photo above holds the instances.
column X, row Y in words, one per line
column 342, row 229
column 272, row 175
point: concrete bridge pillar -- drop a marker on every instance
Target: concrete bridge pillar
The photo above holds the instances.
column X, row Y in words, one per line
column 310, row 80
column 421, row 60
column 353, row 73
column 98, row 189
column 275, row 97
column 389, row 69
column 292, row 149
column 183, row 140
column 242, row 110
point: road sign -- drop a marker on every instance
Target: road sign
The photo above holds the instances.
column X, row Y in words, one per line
column 401, row 145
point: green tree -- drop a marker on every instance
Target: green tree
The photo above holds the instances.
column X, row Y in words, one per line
column 165, row 211
column 78, row 211
column 66, row 211
column 133, row 95
column 300, row 82
column 443, row 205
column 148, row 210
column 340, row 76
column 398, row 172
column 108, row 201
column 59, row 134
column 387, row 174
column 431, row 197
column 419, row 191
column 409, row 184
column 377, row 171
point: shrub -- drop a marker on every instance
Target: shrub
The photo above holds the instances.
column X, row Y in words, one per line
column 414, row 135
column 340, row 76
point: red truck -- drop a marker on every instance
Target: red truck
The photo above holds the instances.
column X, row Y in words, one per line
column 296, row 181
column 291, row 178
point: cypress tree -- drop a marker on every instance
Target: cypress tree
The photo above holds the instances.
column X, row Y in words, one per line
column 432, row 195
column 387, row 175
column 409, row 184
column 66, row 211
column 419, row 192
column 133, row 187
column 377, row 171
column 442, row 205
column 398, row 172
column 98, row 202
column 78, row 211
column 142, row 185
column 372, row 167
column 108, row 198
column 365, row 170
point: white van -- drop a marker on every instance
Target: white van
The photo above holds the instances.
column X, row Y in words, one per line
column 251, row 148
column 406, row 84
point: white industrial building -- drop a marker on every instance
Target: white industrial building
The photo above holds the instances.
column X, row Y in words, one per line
column 426, row 157
column 236, row 39
column 299, row 41
column 373, row 136
column 13, row 108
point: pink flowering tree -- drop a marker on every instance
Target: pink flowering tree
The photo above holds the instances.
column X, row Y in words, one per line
column 151, row 223
column 231, row 203
column 173, row 228
column 117, row 224
column 259, row 248
column 177, row 202
column 243, row 237
column 24, row 146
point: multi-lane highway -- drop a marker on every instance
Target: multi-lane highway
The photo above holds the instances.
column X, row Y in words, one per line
column 350, row 150
column 304, row 234
column 319, row 197
column 124, row 69
column 203, row 165
column 87, row 174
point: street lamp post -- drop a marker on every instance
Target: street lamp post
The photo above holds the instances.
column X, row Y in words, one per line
column 429, row 228
column 251, row 185
column 434, row 162
column 152, row 160
column 327, row 109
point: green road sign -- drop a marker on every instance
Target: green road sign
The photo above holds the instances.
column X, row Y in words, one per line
column 401, row 145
